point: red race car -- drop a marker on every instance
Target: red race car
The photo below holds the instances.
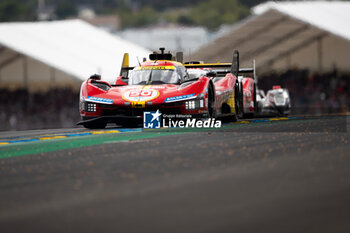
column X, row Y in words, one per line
column 248, row 86
column 165, row 86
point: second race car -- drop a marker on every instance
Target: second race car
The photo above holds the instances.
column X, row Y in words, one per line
column 275, row 103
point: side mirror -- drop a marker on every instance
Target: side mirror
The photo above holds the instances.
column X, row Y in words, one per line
column 95, row 77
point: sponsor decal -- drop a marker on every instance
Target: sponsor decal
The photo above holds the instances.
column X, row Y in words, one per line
column 158, row 87
column 151, row 120
column 140, row 95
column 155, row 68
column 178, row 98
column 156, row 120
column 99, row 100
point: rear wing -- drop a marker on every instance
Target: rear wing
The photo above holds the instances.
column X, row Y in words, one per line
column 240, row 71
column 230, row 67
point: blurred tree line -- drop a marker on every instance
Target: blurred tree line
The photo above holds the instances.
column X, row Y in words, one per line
column 17, row 10
column 138, row 13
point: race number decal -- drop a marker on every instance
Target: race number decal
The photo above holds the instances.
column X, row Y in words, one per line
column 140, row 95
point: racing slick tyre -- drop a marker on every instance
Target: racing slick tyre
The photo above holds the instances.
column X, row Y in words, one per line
column 211, row 101
column 95, row 125
column 239, row 100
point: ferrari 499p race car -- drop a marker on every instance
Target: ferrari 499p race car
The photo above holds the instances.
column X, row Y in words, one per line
column 275, row 103
column 246, row 86
column 165, row 85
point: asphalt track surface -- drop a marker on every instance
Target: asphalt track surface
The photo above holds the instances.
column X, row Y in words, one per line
column 277, row 176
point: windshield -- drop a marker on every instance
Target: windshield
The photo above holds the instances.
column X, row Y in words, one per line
column 155, row 76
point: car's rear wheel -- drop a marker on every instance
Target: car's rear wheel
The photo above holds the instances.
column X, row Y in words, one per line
column 211, row 101
column 239, row 100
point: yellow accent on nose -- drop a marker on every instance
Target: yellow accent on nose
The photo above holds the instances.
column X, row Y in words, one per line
column 138, row 104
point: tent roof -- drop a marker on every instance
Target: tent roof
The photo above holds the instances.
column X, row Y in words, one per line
column 277, row 30
column 332, row 17
column 72, row 46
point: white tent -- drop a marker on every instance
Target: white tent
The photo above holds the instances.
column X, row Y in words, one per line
column 41, row 55
column 284, row 35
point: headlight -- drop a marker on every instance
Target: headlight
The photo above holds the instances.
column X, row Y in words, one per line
column 201, row 103
column 194, row 104
column 91, row 107
column 191, row 104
